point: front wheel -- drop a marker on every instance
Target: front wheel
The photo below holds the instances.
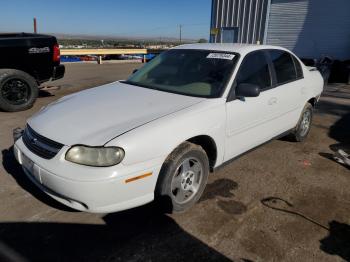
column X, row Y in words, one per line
column 304, row 125
column 182, row 178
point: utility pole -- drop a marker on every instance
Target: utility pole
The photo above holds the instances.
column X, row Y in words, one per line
column 34, row 25
column 180, row 28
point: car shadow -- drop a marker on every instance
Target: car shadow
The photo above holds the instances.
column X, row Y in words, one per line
column 332, row 108
column 44, row 93
column 338, row 240
column 48, row 90
column 340, row 130
column 140, row 234
column 13, row 168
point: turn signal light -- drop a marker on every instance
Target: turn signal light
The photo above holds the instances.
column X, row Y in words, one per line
column 138, row 177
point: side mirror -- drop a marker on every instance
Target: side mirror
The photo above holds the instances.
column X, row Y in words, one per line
column 247, row 90
column 134, row 71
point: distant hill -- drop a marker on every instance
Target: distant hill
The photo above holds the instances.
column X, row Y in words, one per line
column 119, row 38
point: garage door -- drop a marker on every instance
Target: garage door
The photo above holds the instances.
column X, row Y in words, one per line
column 311, row 28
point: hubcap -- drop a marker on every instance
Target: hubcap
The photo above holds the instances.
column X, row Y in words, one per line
column 305, row 123
column 15, row 91
column 186, row 180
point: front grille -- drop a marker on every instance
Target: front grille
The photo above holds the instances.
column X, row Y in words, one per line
column 39, row 145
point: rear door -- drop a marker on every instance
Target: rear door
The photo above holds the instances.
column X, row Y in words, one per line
column 289, row 85
column 249, row 120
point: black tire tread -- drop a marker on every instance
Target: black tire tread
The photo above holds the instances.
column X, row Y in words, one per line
column 171, row 162
column 295, row 135
column 5, row 73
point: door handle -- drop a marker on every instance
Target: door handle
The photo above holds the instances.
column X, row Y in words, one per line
column 272, row 101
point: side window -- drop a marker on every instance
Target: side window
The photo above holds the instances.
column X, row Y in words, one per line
column 298, row 68
column 255, row 70
column 284, row 66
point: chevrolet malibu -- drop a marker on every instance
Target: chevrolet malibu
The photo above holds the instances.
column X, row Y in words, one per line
column 160, row 133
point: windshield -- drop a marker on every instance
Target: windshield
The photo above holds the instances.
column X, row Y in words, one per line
column 201, row 73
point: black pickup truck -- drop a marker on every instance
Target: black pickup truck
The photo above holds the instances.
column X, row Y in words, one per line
column 26, row 61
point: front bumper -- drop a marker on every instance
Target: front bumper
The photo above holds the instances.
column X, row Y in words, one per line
column 110, row 193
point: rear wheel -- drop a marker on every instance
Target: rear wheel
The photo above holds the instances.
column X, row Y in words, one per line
column 304, row 125
column 18, row 90
column 183, row 178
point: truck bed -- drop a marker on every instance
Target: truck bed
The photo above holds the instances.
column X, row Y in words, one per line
column 28, row 52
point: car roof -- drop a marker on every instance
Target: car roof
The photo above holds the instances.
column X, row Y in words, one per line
column 241, row 49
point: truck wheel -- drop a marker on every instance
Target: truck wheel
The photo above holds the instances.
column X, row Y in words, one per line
column 182, row 178
column 304, row 125
column 18, row 90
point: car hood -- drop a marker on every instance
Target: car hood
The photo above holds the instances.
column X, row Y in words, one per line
column 95, row 116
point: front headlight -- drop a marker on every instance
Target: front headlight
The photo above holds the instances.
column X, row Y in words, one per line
column 95, row 156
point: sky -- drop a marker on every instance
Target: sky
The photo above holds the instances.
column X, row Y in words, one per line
column 154, row 18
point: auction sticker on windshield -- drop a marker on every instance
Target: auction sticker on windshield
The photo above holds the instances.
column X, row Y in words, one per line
column 221, row 56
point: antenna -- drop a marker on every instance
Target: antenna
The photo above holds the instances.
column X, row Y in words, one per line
column 180, row 29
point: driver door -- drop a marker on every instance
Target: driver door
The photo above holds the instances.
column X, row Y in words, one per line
column 249, row 119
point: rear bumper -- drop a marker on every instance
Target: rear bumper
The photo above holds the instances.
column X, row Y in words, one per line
column 58, row 72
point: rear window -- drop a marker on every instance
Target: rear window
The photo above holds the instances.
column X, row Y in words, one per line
column 284, row 66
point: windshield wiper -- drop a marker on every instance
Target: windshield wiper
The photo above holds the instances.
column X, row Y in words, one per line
column 141, row 85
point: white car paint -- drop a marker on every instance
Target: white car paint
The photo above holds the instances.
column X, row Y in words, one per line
column 149, row 125
column 95, row 116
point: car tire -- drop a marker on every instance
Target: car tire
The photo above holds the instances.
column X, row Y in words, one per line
column 182, row 178
column 304, row 124
column 18, row 90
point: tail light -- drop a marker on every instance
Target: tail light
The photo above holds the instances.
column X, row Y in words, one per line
column 56, row 53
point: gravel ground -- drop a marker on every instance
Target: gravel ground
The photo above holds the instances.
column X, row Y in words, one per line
column 284, row 201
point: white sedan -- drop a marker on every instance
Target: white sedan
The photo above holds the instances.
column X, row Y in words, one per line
column 160, row 133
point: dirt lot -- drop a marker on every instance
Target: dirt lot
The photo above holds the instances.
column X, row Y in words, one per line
column 235, row 219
